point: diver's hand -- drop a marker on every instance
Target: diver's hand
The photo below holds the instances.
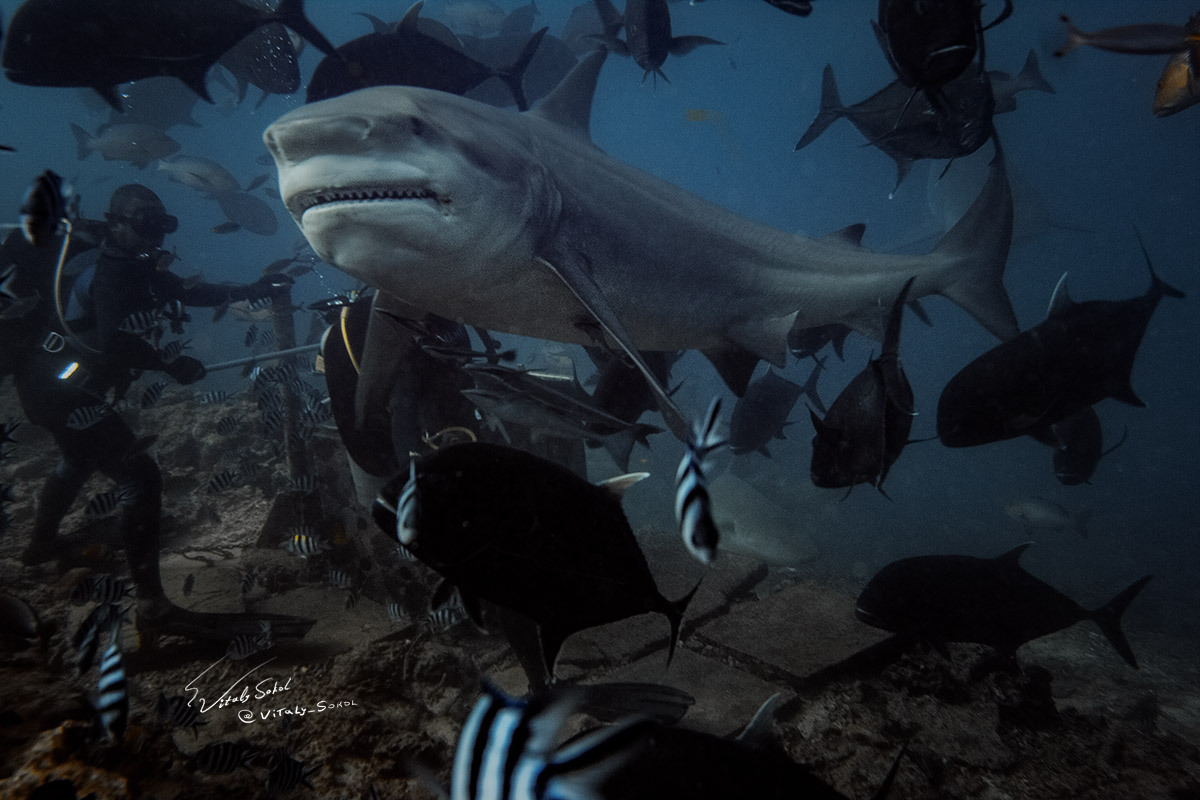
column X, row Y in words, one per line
column 268, row 285
column 186, row 370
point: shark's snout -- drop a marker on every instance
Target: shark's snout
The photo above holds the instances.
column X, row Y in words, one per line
column 295, row 140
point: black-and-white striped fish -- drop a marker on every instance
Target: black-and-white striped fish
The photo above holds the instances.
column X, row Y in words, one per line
column 272, row 419
column 173, row 350
column 92, row 631
column 285, row 773
column 247, row 644
column 269, row 398
column 304, row 543
column 404, row 554
column 112, row 697
column 394, row 611
column 225, row 479
column 85, row 417
column 221, row 758
column 279, row 373
column 249, row 578
column 339, row 579
column 251, row 335
column 107, row 502
column 693, row 507
column 446, row 617
column 266, row 339
column 227, row 425
column 215, row 397
column 179, row 711
column 407, row 508
column 101, row 589
column 306, row 483
column 152, row 394
column 189, row 583
column 140, row 323
column 508, row 750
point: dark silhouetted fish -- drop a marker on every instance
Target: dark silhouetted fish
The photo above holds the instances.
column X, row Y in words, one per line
column 991, row 601
column 266, row 58
column 522, row 532
column 159, row 102
column 868, row 424
column 648, row 38
column 922, row 133
column 220, row 758
column 1081, row 354
column 1078, row 443
column 248, row 211
column 19, row 623
column 102, row 43
column 931, row 42
column 1143, row 39
column 549, row 64
column 807, row 342
column 411, row 57
column 761, row 414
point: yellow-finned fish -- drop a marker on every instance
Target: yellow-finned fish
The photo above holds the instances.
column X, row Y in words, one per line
column 1178, row 87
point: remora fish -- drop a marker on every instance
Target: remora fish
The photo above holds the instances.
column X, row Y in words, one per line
column 868, row 424
column 522, row 532
column 101, row 43
column 990, row 601
column 1039, row 513
column 761, row 414
column 517, row 222
column 1079, row 355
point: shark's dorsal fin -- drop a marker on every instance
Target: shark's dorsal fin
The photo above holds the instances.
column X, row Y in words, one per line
column 1013, row 556
column 570, row 103
column 851, row 234
column 1060, row 299
column 764, row 337
column 409, row 20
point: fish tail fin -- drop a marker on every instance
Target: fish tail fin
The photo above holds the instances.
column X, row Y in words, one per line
column 83, row 140
column 674, row 612
column 619, row 445
column 1030, row 77
column 1158, row 287
column 1108, row 617
column 831, row 109
column 514, row 73
column 977, row 250
column 809, row 388
column 1081, row 522
column 291, row 13
column 1075, row 38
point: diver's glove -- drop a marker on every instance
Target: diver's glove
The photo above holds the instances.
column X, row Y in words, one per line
column 185, row 370
column 266, row 286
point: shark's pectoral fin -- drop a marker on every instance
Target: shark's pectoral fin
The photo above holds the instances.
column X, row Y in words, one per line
column 766, row 338
column 573, row 273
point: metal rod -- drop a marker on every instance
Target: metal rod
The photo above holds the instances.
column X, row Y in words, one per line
column 238, row 362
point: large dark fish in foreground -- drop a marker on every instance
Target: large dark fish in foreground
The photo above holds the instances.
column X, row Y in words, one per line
column 1081, row 354
column 410, row 57
column 990, row 601
column 868, row 424
column 648, row 38
column 101, row 43
column 524, row 533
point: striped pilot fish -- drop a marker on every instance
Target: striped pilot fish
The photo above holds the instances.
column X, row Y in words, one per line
column 85, row 417
column 247, row 644
column 179, row 712
column 112, row 697
column 220, row 758
column 302, row 542
column 693, row 507
column 508, row 750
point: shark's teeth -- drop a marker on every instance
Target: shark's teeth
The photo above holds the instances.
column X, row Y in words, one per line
column 361, row 194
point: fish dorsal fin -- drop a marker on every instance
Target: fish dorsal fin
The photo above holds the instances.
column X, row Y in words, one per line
column 851, row 234
column 570, row 103
column 1013, row 557
column 1060, row 298
column 758, row 729
column 617, row 486
column 409, row 21
column 765, row 338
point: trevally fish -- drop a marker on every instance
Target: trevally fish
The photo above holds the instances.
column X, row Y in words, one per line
column 522, row 532
column 1139, row 39
column 1038, row 513
column 991, row 601
column 479, row 232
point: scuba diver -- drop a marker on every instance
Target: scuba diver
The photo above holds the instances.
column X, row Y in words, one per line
column 64, row 372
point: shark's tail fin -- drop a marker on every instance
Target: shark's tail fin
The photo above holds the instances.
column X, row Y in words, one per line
column 1108, row 617
column 514, row 74
column 977, row 250
column 831, row 109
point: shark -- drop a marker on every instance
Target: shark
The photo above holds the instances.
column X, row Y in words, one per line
column 518, row 222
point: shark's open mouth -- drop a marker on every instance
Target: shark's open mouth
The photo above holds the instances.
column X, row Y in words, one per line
column 303, row 201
